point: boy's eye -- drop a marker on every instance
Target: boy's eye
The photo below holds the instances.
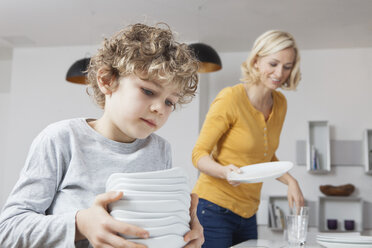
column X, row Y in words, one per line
column 169, row 103
column 147, row 92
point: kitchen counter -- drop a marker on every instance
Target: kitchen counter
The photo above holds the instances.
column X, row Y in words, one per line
column 262, row 243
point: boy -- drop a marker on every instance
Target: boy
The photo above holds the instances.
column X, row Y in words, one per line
column 138, row 77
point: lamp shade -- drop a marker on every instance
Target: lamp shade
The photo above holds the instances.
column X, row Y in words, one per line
column 77, row 72
column 208, row 57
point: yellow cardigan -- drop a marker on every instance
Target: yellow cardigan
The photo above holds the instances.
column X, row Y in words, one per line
column 234, row 132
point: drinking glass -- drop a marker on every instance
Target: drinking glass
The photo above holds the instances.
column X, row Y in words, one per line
column 297, row 230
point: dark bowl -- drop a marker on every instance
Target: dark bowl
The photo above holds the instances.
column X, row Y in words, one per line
column 332, row 224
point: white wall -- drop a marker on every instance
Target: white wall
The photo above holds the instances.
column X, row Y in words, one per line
column 336, row 86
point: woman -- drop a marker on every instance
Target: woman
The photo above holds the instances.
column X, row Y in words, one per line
column 242, row 127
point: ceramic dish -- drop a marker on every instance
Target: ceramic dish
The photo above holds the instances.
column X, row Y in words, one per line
column 351, row 240
column 259, row 172
column 169, row 173
column 168, row 241
column 154, row 222
column 158, row 206
column 342, row 245
column 144, row 195
column 167, row 181
column 124, row 214
column 179, row 229
column 149, row 187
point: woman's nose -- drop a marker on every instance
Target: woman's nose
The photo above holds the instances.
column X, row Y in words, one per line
column 278, row 71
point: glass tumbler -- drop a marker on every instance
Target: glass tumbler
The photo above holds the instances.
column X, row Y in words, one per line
column 297, row 230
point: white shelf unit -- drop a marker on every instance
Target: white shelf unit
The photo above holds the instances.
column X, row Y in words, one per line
column 367, row 143
column 341, row 209
column 318, row 140
column 275, row 202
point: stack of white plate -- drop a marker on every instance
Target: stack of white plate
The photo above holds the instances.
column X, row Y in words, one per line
column 157, row 201
column 344, row 241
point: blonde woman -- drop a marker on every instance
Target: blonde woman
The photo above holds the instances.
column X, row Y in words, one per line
column 243, row 127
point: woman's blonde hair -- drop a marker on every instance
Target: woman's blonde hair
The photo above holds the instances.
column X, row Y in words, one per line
column 269, row 43
column 150, row 53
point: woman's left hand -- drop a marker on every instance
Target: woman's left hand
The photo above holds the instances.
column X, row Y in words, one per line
column 295, row 195
column 195, row 236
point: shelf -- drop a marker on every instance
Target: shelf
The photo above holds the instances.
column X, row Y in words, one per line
column 318, row 156
column 340, row 209
column 367, row 143
column 343, row 152
column 275, row 202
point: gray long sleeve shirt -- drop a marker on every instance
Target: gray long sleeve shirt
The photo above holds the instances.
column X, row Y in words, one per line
column 67, row 166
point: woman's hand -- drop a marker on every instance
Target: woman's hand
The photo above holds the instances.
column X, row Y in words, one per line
column 97, row 225
column 227, row 170
column 295, row 195
column 194, row 237
column 210, row 167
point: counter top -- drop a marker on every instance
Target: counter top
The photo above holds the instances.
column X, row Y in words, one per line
column 262, row 243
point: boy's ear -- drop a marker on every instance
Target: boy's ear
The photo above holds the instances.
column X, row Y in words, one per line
column 105, row 81
column 255, row 63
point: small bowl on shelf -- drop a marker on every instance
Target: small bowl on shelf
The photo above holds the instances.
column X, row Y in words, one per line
column 332, row 224
column 349, row 225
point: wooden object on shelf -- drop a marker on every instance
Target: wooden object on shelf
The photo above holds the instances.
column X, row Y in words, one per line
column 318, row 156
column 341, row 209
column 341, row 190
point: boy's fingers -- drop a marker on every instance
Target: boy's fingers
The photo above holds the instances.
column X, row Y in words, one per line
column 192, row 238
column 117, row 241
column 128, row 229
column 194, row 202
column 106, row 198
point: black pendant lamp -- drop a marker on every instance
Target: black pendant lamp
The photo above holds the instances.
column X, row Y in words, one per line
column 208, row 57
column 77, row 72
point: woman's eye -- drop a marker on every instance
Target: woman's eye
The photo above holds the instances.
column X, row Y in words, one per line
column 273, row 64
column 288, row 67
column 147, row 92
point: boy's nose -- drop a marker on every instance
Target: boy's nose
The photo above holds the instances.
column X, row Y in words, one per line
column 157, row 107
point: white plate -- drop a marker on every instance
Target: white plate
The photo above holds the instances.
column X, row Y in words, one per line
column 168, row 241
column 157, row 206
column 169, row 173
column 342, row 245
column 167, row 181
column 258, row 172
column 124, row 214
column 150, row 187
column 346, row 239
column 146, row 196
column 179, row 229
column 155, row 222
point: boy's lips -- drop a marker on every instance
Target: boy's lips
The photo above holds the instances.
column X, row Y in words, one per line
column 149, row 122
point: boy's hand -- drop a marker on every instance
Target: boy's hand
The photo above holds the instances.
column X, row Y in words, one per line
column 98, row 226
column 194, row 237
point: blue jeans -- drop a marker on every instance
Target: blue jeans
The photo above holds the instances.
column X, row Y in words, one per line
column 223, row 228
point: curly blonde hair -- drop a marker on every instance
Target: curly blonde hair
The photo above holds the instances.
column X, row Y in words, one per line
column 268, row 43
column 150, row 53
